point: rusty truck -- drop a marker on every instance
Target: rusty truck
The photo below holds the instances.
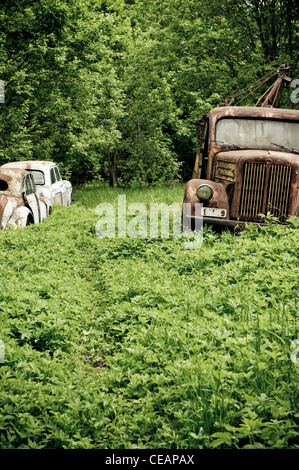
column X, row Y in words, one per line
column 247, row 166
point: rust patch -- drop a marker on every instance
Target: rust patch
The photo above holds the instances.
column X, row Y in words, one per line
column 3, row 202
column 14, row 179
column 247, row 181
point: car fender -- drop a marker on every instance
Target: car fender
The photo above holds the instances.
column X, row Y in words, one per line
column 219, row 198
column 45, row 206
column 19, row 217
column 45, row 192
column 67, row 184
column 6, row 210
column 68, row 187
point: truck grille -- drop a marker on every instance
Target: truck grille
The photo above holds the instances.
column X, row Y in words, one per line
column 265, row 189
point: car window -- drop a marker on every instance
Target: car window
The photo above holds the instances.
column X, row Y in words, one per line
column 3, row 185
column 32, row 184
column 57, row 172
column 52, row 176
column 38, row 176
column 28, row 187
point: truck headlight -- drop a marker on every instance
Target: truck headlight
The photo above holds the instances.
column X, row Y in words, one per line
column 204, row 192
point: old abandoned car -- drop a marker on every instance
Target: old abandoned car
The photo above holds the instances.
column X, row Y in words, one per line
column 249, row 159
column 20, row 204
column 48, row 180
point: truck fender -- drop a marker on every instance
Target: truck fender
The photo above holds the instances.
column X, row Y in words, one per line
column 219, row 198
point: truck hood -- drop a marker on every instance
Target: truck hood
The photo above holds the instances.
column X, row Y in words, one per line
column 254, row 155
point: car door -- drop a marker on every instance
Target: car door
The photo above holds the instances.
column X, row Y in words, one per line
column 55, row 187
column 61, row 186
column 31, row 198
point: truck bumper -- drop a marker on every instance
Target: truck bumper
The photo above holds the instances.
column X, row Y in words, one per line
column 190, row 222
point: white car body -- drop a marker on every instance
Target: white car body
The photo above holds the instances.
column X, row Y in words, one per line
column 47, row 179
column 20, row 203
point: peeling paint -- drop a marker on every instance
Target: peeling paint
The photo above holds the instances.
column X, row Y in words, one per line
column 58, row 191
column 19, row 199
column 246, row 181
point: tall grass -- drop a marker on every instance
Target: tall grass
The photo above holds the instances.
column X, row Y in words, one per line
column 141, row 343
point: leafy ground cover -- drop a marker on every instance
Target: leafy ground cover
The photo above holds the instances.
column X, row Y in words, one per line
column 142, row 343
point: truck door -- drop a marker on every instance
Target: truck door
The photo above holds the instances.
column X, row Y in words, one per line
column 202, row 134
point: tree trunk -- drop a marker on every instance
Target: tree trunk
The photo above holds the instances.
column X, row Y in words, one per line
column 112, row 169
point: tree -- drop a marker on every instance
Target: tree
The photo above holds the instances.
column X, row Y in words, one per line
column 111, row 89
column 62, row 93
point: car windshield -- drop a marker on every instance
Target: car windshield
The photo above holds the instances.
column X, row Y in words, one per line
column 261, row 133
column 38, row 176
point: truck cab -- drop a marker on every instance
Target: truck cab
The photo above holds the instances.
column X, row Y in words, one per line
column 247, row 167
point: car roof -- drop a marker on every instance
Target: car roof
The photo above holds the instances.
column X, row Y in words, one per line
column 30, row 164
column 8, row 174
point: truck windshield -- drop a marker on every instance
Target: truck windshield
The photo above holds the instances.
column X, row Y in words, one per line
column 261, row 133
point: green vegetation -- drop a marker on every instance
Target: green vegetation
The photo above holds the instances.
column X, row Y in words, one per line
column 141, row 343
column 111, row 89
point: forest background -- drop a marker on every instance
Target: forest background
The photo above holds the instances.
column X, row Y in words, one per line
column 111, row 89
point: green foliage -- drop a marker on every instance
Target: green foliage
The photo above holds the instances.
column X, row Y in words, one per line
column 141, row 343
column 111, row 90
column 62, row 94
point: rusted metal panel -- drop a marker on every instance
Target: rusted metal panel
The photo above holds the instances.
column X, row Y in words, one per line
column 226, row 171
column 58, row 191
column 18, row 198
column 248, row 181
column 252, row 112
column 14, row 180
